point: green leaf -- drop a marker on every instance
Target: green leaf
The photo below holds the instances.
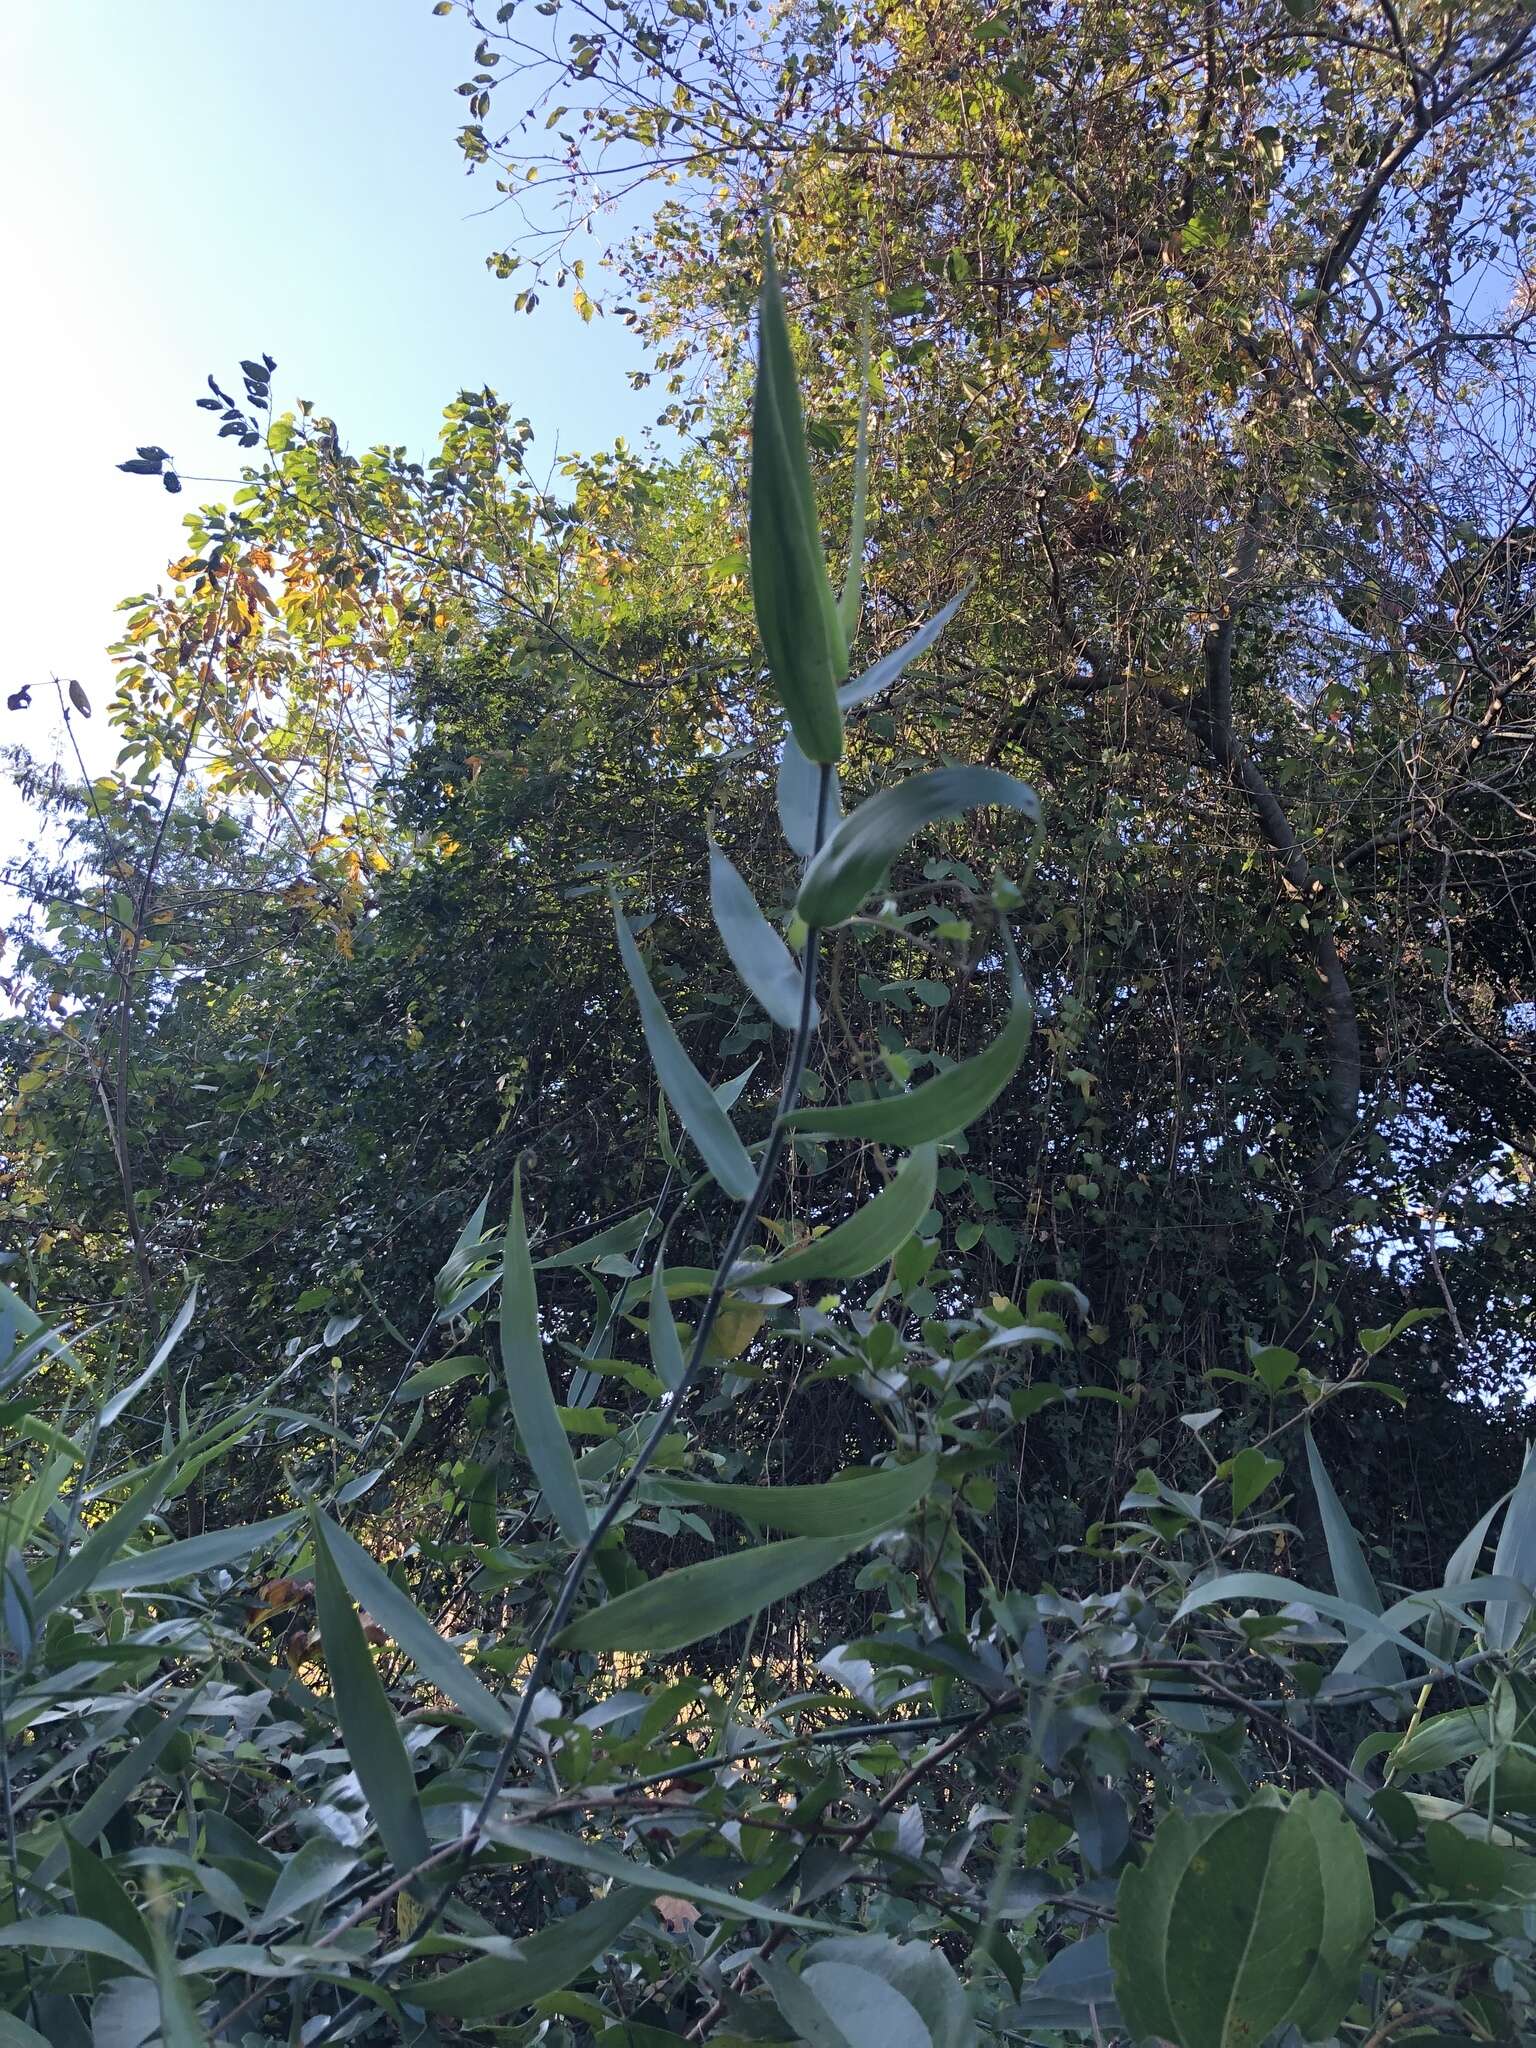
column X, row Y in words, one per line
column 653, row 1879
column 799, row 798
column 864, row 844
column 180, row 2026
column 437, row 1662
column 193, row 1554
column 69, row 1934
column 446, row 1373
column 1439, row 1742
column 940, row 1108
column 100, row 1895
column 871, row 1499
column 666, row 1351
column 1251, row 1473
column 683, row 1607
column 1231, row 1587
column 686, row 1089
column 313, row 1872
column 1239, row 1924
column 867, row 2010
column 866, row 1240
column 618, row 1237
column 80, row 1574
column 797, row 615
column 771, row 972
column 368, row 1724
column 540, row 1963
column 850, row 601
column 15, row 2033
column 1352, row 1578
column 1515, row 1558
column 544, row 1441
column 890, row 666
column 924, row 1976
column 114, row 1790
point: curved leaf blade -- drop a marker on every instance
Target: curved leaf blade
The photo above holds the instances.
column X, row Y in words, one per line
column 866, row 1240
column 797, row 616
column 685, row 1087
column 543, row 1436
column 667, row 1359
column 886, row 670
column 683, row 1607
column 863, row 846
column 544, row 1962
column 654, row 1880
column 871, row 1499
column 368, row 1724
column 771, row 972
column 939, row 1108
column 437, row 1662
column 1351, row 1574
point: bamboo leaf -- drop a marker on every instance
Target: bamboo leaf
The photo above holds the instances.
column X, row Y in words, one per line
column 539, row 1428
column 1515, row 1558
column 685, row 1087
column 937, row 1109
column 799, row 798
column 654, row 1880
column 771, row 972
column 70, row 1934
column 1351, row 1574
column 683, row 1607
column 666, row 1350
column 873, row 1498
column 866, row 1240
column 170, row 1562
column 438, row 1662
column 368, row 1724
column 864, row 844
column 885, row 671
column 850, row 601
column 541, row 1963
column 797, row 615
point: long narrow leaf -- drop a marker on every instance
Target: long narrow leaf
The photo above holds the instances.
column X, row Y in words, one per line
column 940, row 1108
column 890, row 666
column 1351, row 1574
column 438, row 1662
column 870, row 1499
column 685, row 1087
column 683, row 1607
column 184, row 1560
column 666, row 1351
column 866, row 1240
column 852, row 595
column 799, row 798
column 115, row 1789
column 368, row 1724
column 543, row 1963
column 543, row 1436
column 1246, row 1586
column 863, row 846
column 771, row 972
column 1515, row 1558
column 81, row 1573
column 652, row 1880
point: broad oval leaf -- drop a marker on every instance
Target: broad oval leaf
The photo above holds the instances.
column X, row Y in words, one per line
column 543, row 1436
column 866, row 1240
column 866, row 1500
column 683, row 1607
column 1239, row 1924
column 863, row 846
column 437, row 1662
column 886, row 670
column 771, row 972
column 685, row 1087
column 797, row 614
column 368, row 1725
column 937, row 1109
column 543, row 1962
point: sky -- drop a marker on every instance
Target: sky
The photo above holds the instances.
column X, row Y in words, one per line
column 192, row 181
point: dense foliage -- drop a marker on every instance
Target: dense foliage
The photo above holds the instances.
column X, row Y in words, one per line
column 940, row 1456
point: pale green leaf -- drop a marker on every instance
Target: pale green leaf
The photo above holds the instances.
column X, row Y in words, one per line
column 772, row 974
column 866, row 1240
column 543, row 1437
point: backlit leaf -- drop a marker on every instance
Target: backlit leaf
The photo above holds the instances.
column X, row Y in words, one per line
column 864, row 844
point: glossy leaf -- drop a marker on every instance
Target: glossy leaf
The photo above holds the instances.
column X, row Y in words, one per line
column 539, row 1428
column 771, row 972
column 937, row 1109
column 797, row 615
column 866, row 1240
column 685, row 1087
column 394, row 1611
column 865, row 1500
column 864, row 844
column 368, row 1723
column 540, row 1963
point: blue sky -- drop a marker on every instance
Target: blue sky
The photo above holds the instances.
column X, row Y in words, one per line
column 187, row 184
